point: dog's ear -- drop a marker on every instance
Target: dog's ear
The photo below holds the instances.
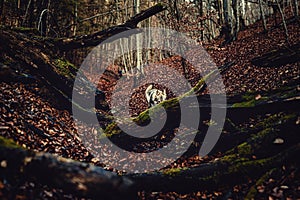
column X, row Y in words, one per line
column 147, row 93
column 148, row 88
column 165, row 93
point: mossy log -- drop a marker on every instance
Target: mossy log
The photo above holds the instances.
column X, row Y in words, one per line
column 80, row 179
column 249, row 160
column 239, row 107
column 211, row 176
column 253, row 190
column 172, row 107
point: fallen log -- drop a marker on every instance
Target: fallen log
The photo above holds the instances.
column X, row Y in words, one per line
column 238, row 107
column 250, row 159
column 80, row 179
column 279, row 57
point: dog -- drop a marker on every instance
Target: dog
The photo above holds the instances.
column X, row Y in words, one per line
column 155, row 96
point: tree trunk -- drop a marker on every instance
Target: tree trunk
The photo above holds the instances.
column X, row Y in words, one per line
column 283, row 21
column 227, row 27
column 296, row 8
column 75, row 17
column 1, row 8
column 236, row 13
column 262, row 14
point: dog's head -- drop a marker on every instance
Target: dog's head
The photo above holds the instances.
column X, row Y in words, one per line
column 155, row 96
column 158, row 96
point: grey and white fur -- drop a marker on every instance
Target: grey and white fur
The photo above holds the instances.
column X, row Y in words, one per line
column 155, row 96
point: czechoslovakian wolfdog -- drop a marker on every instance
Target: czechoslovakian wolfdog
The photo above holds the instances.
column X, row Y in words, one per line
column 155, row 96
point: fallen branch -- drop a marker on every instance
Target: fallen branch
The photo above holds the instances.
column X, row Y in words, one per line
column 96, row 38
column 279, row 57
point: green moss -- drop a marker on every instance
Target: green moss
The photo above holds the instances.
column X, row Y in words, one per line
column 250, row 103
column 274, row 120
column 248, row 166
column 239, row 166
column 253, row 191
column 271, row 121
column 65, row 68
column 233, row 158
column 170, row 103
column 23, row 28
column 212, row 177
column 173, row 171
column 251, row 194
column 200, row 83
column 263, row 133
column 245, row 149
column 229, row 157
column 248, row 99
column 144, row 116
column 249, row 95
column 8, row 143
column 161, row 4
column 111, row 129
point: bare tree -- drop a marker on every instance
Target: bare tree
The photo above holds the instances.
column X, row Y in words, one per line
column 75, row 17
column 296, row 8
column 139, row 61
column 262, row 14
column 1, row 9
column 283, row 21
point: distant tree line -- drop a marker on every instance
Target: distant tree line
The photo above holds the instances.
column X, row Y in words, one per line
column 202, row 20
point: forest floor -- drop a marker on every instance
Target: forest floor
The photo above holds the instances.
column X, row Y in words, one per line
column 29, row 117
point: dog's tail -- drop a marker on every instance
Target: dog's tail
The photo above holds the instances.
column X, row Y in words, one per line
column 147, row 93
